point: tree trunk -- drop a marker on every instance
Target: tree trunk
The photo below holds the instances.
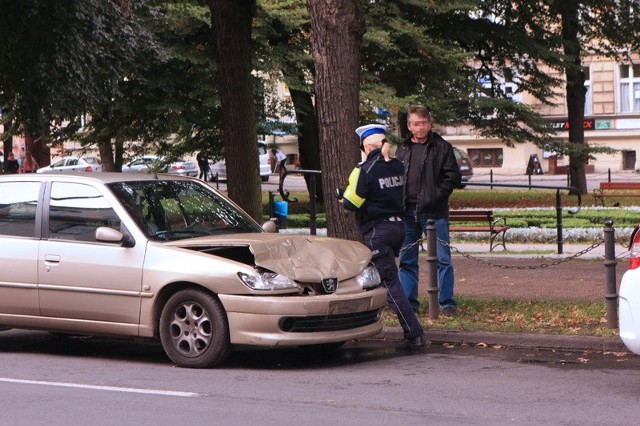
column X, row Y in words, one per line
column 336, row 38
column 308, row 143
column 106, row 156
column 231, row 20
column 38, row 149
column 575, row 92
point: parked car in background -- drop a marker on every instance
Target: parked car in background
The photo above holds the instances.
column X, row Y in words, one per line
column 629, row 297
column 169, row 258
column 464, row 164
column 85, row 163
column 219, row 168
column 158, row 164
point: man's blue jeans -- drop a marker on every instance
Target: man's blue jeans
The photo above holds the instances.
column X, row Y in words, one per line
column 409, row 269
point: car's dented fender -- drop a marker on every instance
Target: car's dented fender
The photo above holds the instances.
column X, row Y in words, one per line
column 166, row 264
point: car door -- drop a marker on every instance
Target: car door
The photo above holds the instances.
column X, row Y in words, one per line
column 80, row 278
column 19, row 242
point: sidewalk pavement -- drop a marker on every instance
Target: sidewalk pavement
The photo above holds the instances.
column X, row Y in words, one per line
column 551, row 342
column 523, row 341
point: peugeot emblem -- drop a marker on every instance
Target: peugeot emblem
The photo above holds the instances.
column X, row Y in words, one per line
column 330, row 285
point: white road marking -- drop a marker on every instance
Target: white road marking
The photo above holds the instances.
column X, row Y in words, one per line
column 102, row 388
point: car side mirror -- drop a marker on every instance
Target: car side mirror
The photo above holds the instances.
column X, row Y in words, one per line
column 109, row 235
column 270, row 226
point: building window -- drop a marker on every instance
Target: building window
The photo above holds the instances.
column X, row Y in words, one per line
column 486, row 157
column 630, row 88
column 628, row 160
column 587, row 85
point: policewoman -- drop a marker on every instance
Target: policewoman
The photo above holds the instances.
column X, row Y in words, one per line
column 375, row 194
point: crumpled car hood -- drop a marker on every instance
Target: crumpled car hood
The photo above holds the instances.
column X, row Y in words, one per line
column 302, row 258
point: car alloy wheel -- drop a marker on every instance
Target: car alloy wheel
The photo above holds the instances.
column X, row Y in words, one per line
column 193, row 330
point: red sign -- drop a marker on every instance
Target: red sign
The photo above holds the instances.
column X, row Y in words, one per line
column 564, row 125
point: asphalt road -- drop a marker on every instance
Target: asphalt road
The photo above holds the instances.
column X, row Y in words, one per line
column 47, row 380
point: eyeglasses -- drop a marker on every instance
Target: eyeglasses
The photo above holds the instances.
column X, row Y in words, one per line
column 419, row 123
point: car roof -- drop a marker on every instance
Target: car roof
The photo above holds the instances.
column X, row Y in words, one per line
column 104, row 177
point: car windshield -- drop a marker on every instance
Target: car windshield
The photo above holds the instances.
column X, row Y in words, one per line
column 173, row 210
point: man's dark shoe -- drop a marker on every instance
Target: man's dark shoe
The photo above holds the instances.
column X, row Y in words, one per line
column 449, row 311
column 411, row 344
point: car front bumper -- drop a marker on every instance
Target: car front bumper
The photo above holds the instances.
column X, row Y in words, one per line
column 303, row 320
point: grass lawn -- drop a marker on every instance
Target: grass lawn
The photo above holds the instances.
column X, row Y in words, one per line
column 511, row 316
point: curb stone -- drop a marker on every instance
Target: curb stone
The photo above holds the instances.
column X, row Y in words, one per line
column 515, row 340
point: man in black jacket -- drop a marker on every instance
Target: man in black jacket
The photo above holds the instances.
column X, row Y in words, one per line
column 431, row 174
column 375, row 193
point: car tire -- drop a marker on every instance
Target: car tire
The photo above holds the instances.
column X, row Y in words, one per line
column 194, row 330
column 265, row 178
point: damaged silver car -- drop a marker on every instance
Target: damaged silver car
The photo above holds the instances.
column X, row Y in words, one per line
column 169, row 258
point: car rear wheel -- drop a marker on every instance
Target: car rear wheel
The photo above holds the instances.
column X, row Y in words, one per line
column 194, row 331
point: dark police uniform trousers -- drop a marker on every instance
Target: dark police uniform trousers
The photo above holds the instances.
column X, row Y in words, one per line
column 385, row 240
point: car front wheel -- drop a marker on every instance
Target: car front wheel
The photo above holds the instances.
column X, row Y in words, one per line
column 194, row 331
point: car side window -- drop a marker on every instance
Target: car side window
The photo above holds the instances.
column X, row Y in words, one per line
column 18, row 205
column 77, row 210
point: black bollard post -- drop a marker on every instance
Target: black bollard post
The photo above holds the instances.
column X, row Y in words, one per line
column 272, row 197
column 610, row 263
column 559, row 221
column 432, row 261
column 314, row 200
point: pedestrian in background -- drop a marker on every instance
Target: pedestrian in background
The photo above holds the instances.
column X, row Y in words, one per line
column 280, row 160
column 29, row 165
column 431, row 173
column 11, row 165
column 203, row 165
column 375, row 193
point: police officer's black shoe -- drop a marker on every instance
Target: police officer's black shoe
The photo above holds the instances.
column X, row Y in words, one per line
column 411, row 344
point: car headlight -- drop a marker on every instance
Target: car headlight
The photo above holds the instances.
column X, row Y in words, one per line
column 268, row 281
column 369, row 278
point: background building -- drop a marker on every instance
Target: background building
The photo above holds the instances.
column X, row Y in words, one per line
column 612, row 119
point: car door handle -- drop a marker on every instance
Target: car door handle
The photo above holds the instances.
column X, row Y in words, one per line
column 51, row 259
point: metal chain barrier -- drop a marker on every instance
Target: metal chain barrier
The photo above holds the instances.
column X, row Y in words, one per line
column 540, row 266
column 610, row 262
column 415, row 243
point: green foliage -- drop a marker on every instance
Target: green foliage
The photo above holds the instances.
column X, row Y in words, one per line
column 59, row 59
column 156, row 107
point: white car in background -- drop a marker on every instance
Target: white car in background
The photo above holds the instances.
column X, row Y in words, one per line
column 629, row 297
column 154, row 163
column 219, row 168
column 85, row 163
